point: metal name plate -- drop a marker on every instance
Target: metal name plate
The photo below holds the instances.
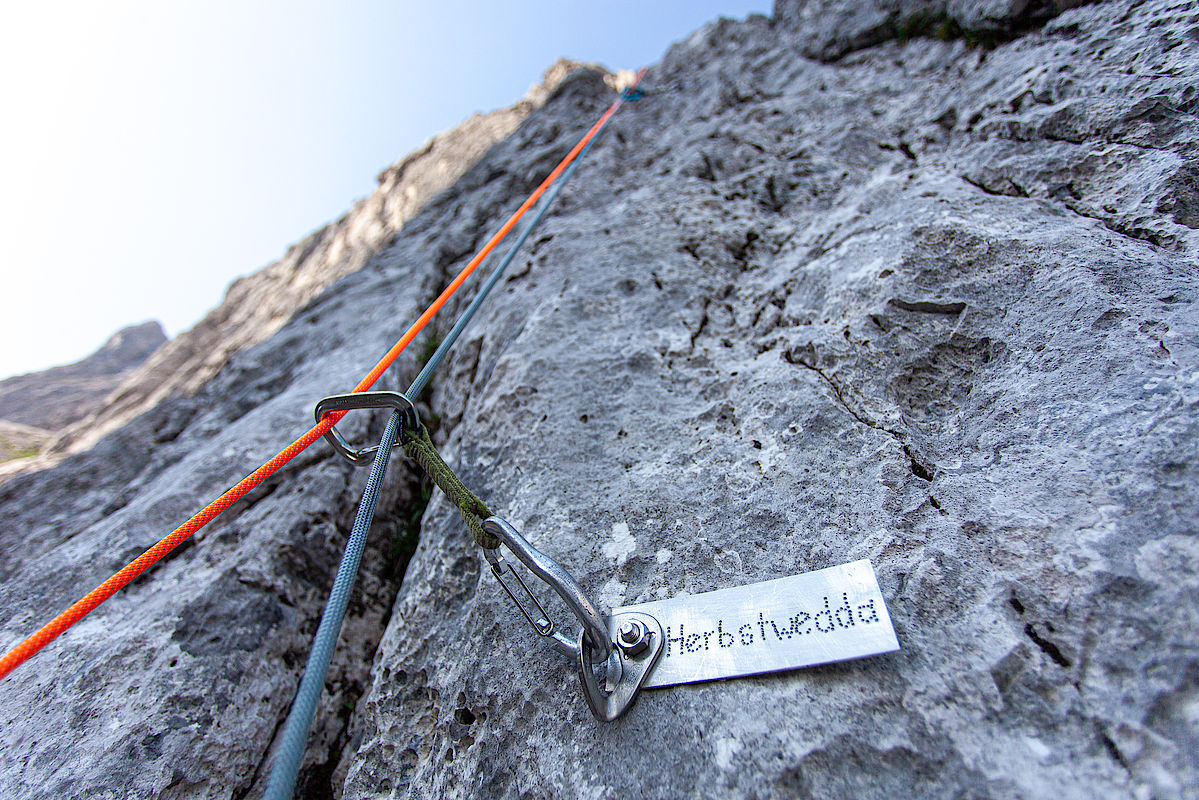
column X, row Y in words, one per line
column 832, row 614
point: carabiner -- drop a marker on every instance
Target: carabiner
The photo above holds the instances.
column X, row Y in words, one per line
column 354, row 400
column 614, row 654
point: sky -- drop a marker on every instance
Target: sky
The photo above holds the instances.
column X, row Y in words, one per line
column 151, row 152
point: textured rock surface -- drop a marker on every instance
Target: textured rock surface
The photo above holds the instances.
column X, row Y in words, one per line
column 829, row 29
column 56, row 397
column 924, row 302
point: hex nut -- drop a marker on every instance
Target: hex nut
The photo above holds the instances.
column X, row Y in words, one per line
column 633, row 638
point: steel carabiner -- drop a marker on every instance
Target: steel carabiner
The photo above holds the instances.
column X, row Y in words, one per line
column 348, row 402
column 623, row 648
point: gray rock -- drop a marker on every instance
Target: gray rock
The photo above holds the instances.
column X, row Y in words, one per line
column 829, row 29
column 55, row 397
column 928, row 304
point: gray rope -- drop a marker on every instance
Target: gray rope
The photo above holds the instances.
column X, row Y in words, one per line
column 422, row 380
column 299, row 721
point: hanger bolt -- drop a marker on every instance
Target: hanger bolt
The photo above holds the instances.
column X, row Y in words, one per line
column 632, row 637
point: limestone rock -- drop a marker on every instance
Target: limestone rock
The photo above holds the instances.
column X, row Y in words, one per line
column 829, row 29
column 928, row 303
column 55, row 397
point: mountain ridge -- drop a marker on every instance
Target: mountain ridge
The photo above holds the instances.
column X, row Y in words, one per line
column 52, row 398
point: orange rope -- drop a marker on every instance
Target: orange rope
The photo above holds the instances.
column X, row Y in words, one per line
column 88, row 603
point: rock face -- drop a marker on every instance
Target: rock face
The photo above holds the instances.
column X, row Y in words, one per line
column 54, row 398
column 927, row 301
column 829, row 29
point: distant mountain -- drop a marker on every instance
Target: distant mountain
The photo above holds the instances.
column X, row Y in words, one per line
column 56, row 397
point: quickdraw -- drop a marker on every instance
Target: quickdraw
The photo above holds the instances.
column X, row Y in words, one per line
column 614, row 655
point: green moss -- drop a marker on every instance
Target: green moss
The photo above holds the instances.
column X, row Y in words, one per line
column 430, row 347
column 12, row 452
column 920, row 24
column 925, row 25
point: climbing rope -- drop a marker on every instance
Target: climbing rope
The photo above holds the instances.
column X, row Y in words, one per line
column 89, row 602
column 299, row 721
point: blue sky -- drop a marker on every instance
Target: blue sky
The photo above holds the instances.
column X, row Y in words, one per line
column 153, row 151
